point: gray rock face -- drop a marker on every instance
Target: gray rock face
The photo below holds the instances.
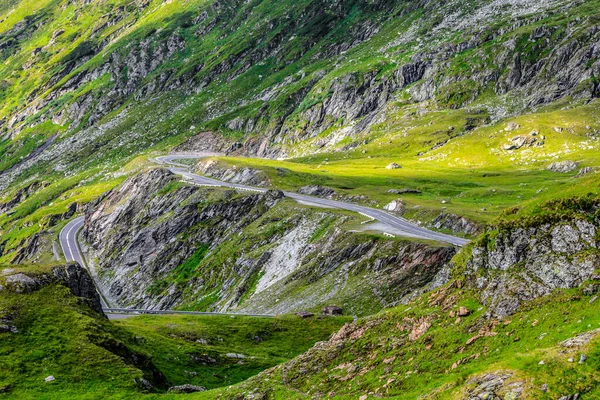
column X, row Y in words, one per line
column 526, row 263
column 81, row 284
column 134, row 230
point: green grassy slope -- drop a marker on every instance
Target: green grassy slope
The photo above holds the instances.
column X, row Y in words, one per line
column 91, row 357
column 375, row 357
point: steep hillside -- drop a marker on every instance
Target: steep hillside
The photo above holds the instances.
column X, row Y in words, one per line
column 159, row 243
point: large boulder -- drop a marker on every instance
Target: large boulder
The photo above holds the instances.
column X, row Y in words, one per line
column 396, row 206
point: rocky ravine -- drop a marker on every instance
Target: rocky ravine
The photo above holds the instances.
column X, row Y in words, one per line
column 161, row 244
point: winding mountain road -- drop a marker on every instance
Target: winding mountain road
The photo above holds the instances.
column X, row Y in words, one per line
column 389, row 223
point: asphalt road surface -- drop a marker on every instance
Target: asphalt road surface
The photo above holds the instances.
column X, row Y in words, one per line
column 71, row 250
column 388, row 223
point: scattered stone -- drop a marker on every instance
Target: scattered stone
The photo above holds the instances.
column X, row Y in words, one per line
column 512, row 126
column 593, row 299
column 582, row 358
column 570, row 397
column 393, row 166
column 472, row 340
column 570, row 360
column 57, row 33
column 5, row 328
column 144, row 384
column 544, row 387
column 533, row 133
column 332, row 310
column 203, row 359
column 50, row 378
column 590, row 289
column 305, row 314
column 563, row 166
column 542, row 362
column 258, row 339
column 464, row 312
column 187, row 388
column 419, row 328
column 557, row 129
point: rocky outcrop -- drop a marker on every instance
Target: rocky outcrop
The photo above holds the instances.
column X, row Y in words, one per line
column 494, row 385
column 73, row 276
column 525, row 263
column 234, row 174
column 317, row 191
column 187, row 388
column 563, row 166
column 208, row 141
